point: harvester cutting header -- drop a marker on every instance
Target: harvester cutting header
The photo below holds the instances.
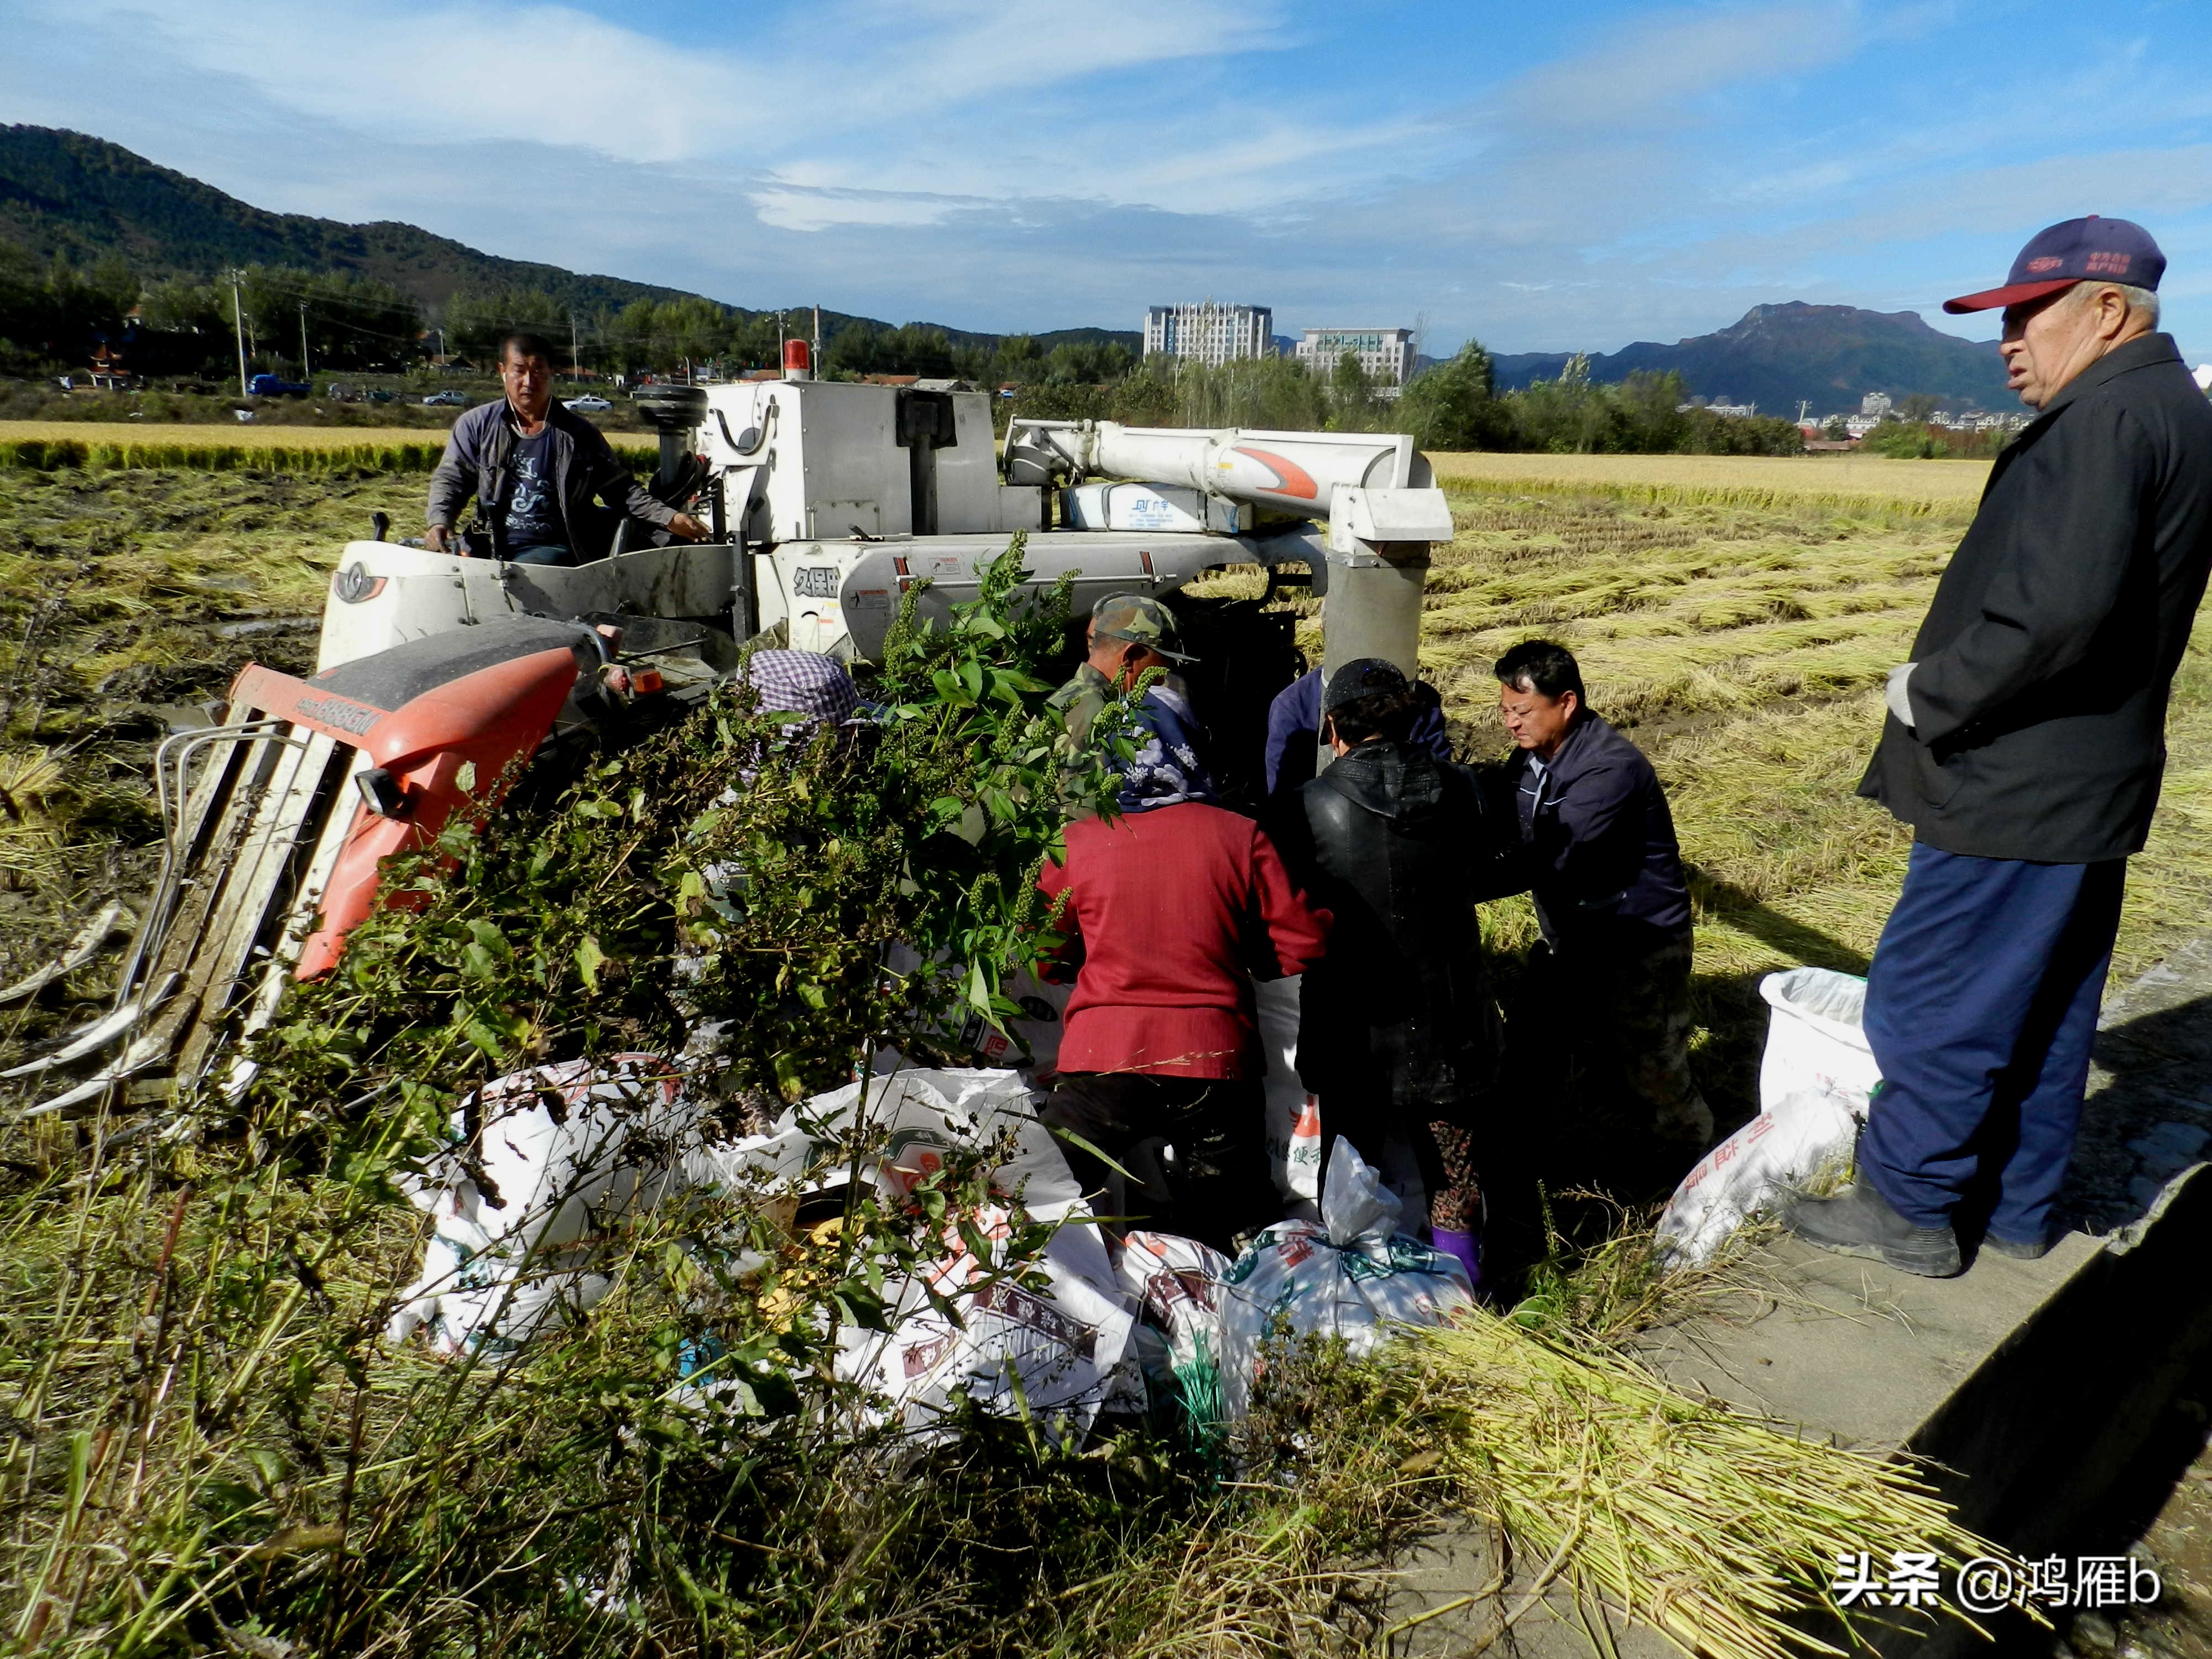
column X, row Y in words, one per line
column 827, row 503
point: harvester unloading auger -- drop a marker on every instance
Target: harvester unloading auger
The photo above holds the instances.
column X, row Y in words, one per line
column 828, row 501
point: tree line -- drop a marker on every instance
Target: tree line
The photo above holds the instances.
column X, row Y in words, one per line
column 1454, row 405
column 53, row 317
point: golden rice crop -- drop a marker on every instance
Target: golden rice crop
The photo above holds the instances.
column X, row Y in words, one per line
column 1729, row 480
column 1743, row 644
column 1704, row 1523
column 47, row 445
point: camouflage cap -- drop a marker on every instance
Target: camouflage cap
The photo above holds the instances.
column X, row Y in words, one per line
column 1141, row 621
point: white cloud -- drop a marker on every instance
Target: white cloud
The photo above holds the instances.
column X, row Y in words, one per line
column 1657, row 72
column 1648, row 176
column 791, row 209
column 549, row 73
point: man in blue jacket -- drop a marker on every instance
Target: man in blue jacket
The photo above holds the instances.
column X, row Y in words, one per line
column 2025, row 745
column 534, row 467
column 1607, row 879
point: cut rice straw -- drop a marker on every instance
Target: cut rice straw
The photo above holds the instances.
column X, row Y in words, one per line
column 1695, row 1518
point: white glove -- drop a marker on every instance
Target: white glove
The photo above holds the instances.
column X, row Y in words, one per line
column 1901, row 704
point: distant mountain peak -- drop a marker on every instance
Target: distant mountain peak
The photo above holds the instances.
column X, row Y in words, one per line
column 1787, row 352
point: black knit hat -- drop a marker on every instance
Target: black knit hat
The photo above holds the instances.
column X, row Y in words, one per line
column 1362, row 676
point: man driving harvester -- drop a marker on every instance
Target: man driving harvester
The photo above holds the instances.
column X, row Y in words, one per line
column 534, row 467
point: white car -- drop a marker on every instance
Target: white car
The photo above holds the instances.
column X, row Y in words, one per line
column 590, row 403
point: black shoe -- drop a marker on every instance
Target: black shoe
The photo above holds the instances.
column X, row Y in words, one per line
column 1859, row 1221
column 2018, row 1250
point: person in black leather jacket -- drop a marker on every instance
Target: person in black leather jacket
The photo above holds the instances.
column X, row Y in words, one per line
column 1397, row 1031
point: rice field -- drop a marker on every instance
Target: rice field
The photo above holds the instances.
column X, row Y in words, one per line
column 1741, row 638
column 1744, row 646
column 1929, row 482
column 1734, row 614
column 126, row 596
column 47, row 445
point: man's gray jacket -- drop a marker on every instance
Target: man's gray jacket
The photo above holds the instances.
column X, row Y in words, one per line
column 2038, row 700
column 481, row 450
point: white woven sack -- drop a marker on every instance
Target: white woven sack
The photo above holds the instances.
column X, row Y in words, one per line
column 1815, row 1037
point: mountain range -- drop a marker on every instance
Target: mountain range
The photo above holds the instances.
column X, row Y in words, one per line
column 67, row 193
column 1828, row 357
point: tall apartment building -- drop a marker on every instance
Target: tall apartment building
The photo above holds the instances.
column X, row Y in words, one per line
column 1210, row 333
column 1385, row 355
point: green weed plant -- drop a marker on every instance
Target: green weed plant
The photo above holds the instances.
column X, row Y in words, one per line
column 214, row 1444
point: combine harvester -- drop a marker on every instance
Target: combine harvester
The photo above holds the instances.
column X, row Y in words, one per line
column 438, row 673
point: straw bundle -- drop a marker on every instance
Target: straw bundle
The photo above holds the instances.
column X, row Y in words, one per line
column 1705, row 1523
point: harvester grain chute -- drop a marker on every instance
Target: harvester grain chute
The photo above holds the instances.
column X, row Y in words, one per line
column 442, row 676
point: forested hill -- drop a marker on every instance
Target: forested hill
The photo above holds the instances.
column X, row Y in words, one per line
column 65, row 193
column 1827, row 356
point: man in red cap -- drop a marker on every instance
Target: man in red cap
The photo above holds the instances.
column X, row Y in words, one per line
column 2025, row 745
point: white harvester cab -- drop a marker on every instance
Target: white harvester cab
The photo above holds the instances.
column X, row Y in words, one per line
column 830, row 499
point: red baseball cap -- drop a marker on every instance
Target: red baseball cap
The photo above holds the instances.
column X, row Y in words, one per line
column 2073, row 251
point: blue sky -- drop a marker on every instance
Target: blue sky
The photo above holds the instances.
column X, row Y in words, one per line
column 1541, row 177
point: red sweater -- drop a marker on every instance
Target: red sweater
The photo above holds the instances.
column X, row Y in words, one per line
column 1178, row 909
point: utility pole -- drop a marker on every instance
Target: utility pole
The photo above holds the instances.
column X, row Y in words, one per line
column 238, row 320
column 306, row 374
column 1803, row 404
column 817, row 339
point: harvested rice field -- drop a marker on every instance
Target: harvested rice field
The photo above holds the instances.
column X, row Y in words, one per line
column 126, row 598
column 1741, row 641
column 1743, row 647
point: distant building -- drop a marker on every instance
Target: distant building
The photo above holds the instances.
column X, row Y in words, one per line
column 1385, row 355
column 1875, row 404
column 1209, row 333
column 1738, row 411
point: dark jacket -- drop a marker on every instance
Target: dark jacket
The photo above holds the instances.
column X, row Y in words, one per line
column 482, row 447
column 1294, row 731
column 2039, row 701
column 1400, row 847
column 1606, row 869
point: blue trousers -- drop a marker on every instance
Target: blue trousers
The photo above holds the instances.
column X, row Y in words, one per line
column 1981, row 1008
column 541, row 553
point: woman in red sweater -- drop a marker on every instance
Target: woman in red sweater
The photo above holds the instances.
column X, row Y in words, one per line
column 1176, row 905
